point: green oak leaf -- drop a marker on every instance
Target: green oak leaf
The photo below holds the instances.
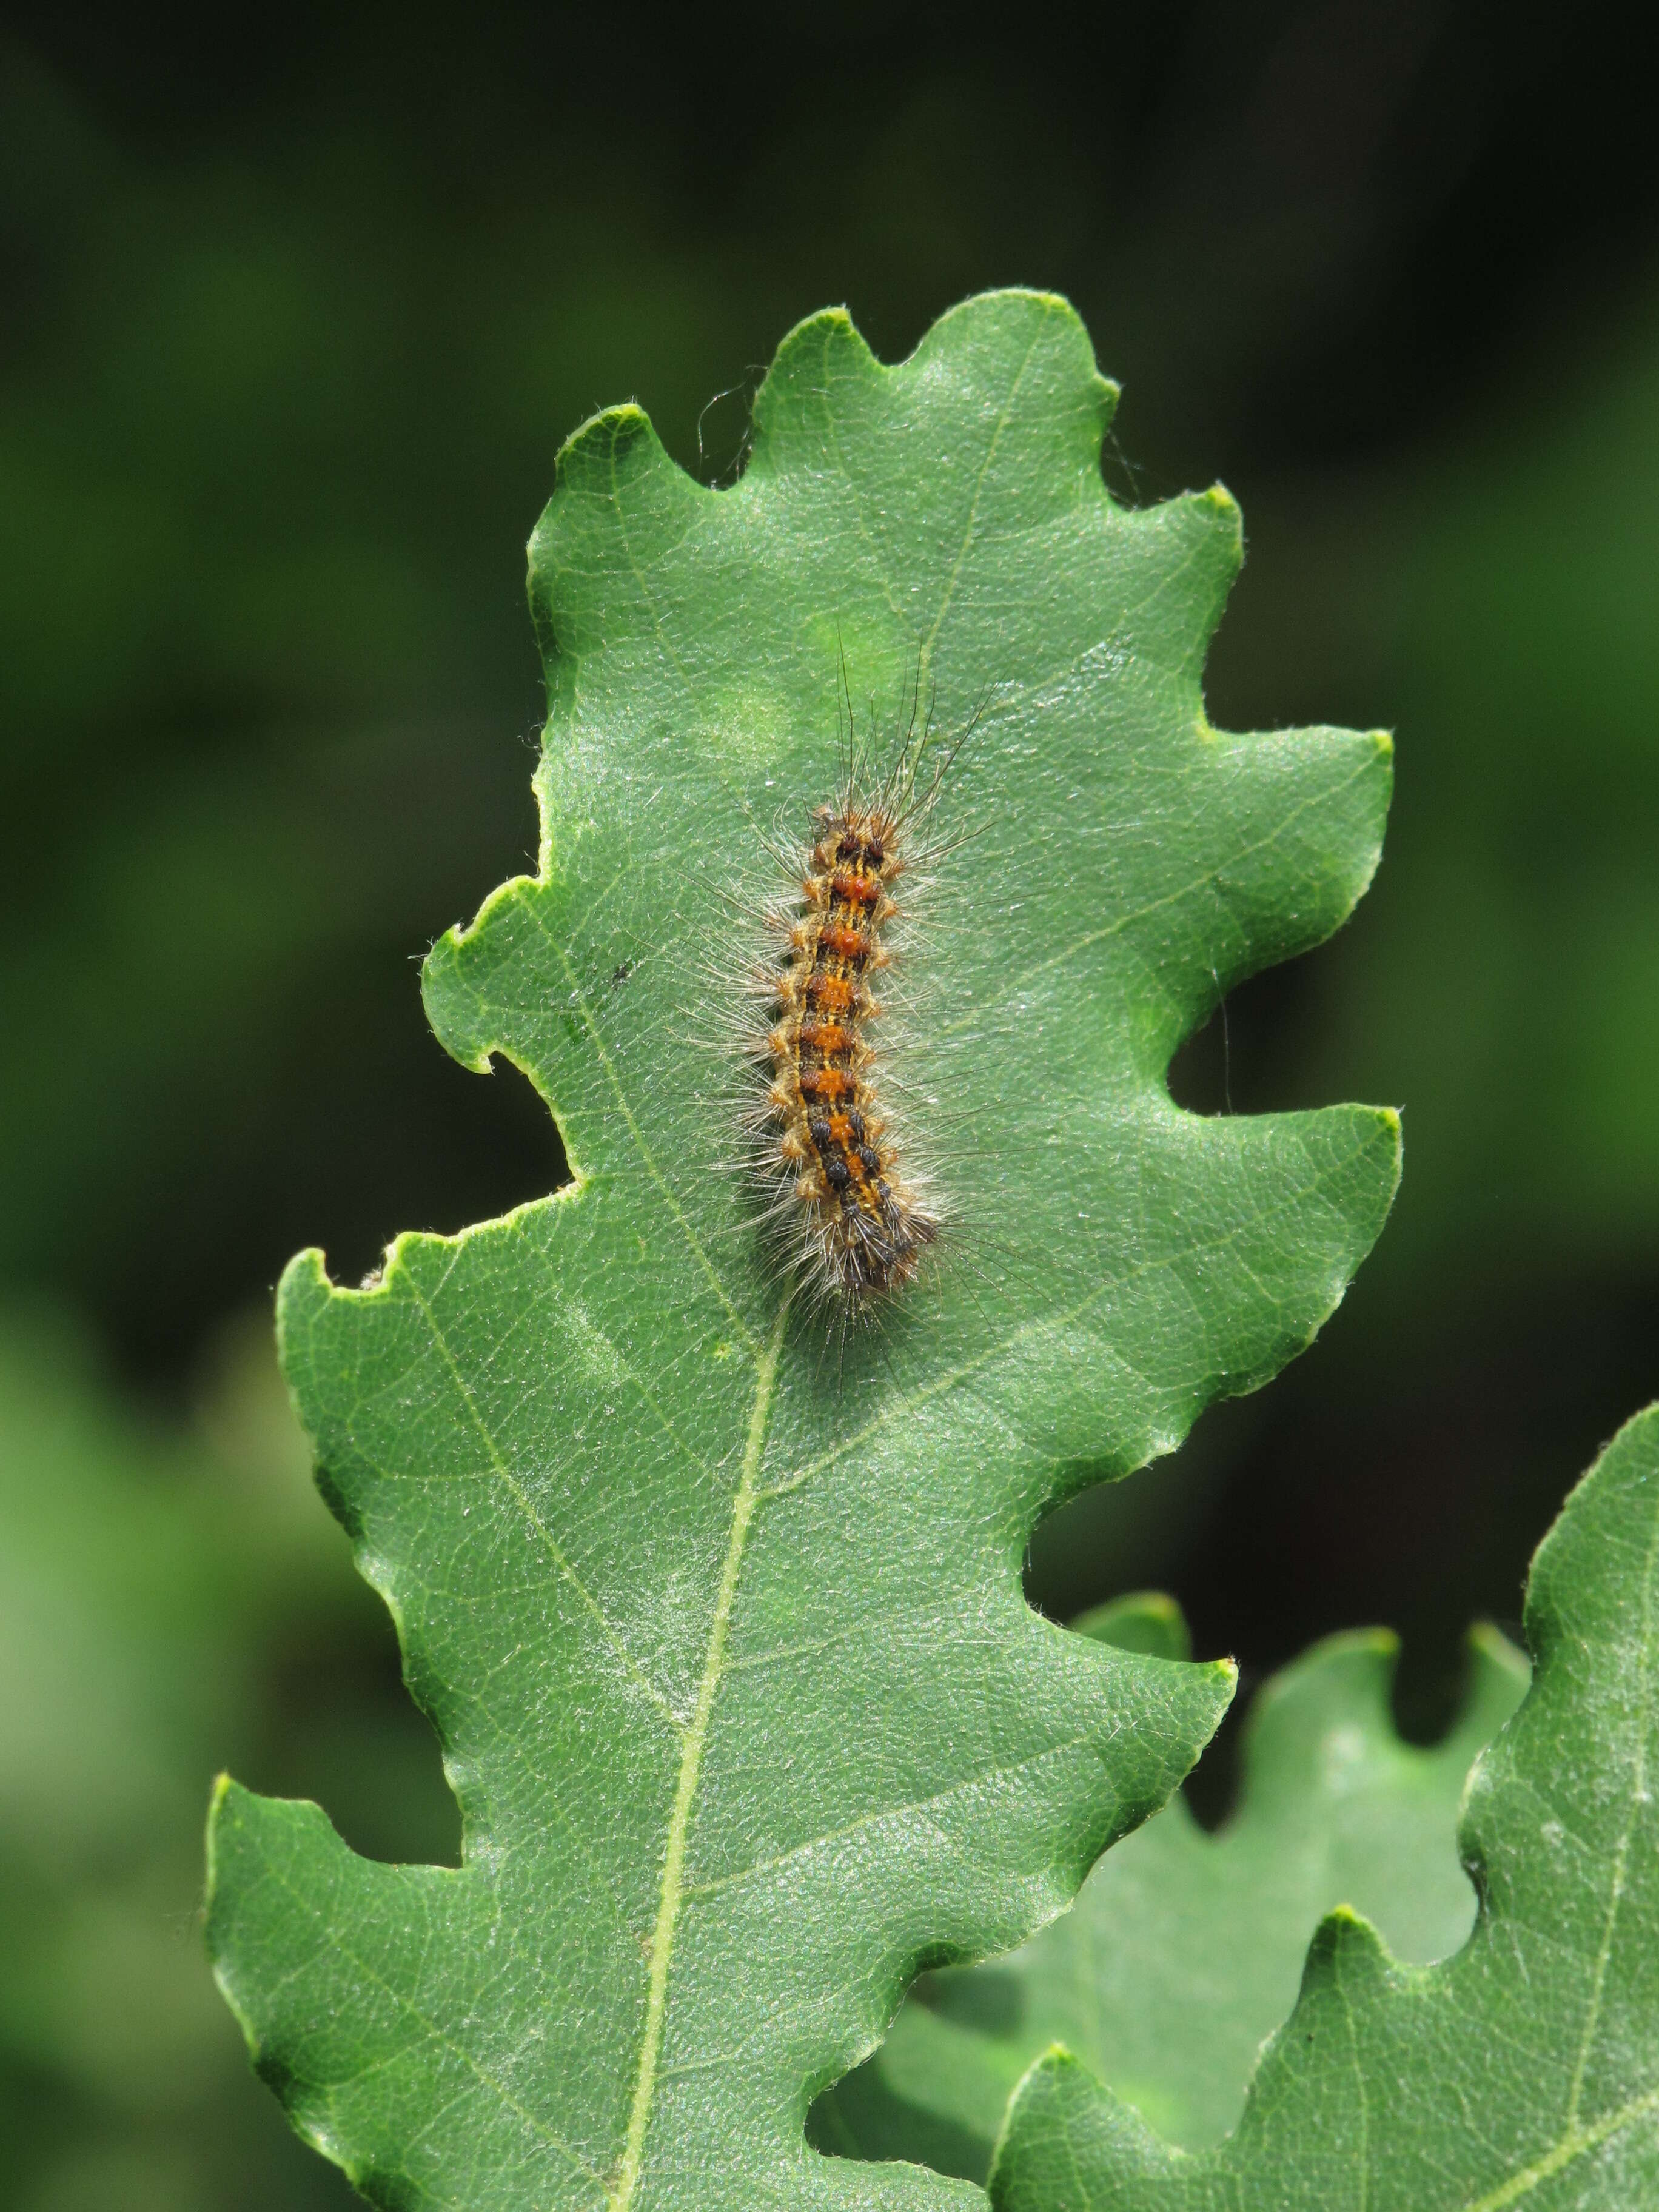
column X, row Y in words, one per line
column 719, row 1622
column 1525, row 2070
column 1184, row 1952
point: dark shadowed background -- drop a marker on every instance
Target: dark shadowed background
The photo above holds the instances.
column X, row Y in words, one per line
column 296, row 316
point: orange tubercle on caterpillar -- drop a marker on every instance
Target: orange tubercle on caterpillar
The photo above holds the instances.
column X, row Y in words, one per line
column 866, row 1228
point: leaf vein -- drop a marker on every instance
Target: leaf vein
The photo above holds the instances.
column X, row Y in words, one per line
column 1003, row 418
column 693, row 1241
column 521, row 1498
column 406, row 2003
column 1038, row 1326
column 886, row 1813
column 1123, row 922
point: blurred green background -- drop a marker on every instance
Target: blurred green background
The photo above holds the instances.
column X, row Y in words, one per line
column 296, row 312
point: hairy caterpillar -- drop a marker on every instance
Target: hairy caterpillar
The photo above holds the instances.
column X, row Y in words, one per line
column 856, row 1217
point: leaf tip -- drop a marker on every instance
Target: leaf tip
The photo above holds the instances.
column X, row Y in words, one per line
column 596, row 462
column 613, row 430
column 1487, row 1643
column 1223, row 514
column 1058, row 2058
column 1345, row 1924
column 304, row 1286
column 224, row 1807
column 829, row 330
column 218, row 1797
column 1343, row 1943
column 450, row 996
column 1147, row 1621
column 819, row 349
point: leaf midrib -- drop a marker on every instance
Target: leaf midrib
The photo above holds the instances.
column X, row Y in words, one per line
column 749, row 1493
column 671, row 1894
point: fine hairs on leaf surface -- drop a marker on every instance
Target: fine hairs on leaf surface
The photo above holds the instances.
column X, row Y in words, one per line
column 1184, row 1952
column 1525, row 2070
column 723, row 1635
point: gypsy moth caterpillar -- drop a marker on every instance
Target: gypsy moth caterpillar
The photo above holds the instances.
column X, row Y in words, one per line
column 853, row 1213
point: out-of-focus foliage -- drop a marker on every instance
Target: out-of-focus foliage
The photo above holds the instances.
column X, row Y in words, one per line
column 149, row 1573
column 1522, row 2070
column 1183, row 1951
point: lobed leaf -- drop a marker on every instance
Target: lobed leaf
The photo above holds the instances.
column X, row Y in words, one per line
column 1183, row 1951
column 1525, row 2070
column 723, row 1631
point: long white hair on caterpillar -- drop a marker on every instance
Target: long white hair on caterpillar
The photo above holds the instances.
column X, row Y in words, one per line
column 850, row 1208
